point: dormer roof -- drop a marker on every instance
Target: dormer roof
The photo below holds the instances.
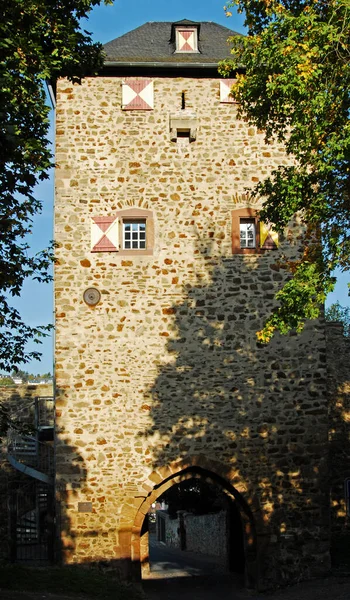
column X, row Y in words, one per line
column 184, row 24
column 154, row 44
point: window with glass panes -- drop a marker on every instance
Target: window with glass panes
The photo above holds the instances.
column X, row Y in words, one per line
column 134, row 235
column 247, row 233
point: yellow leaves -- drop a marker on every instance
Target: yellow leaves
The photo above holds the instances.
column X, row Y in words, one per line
column 237, row 86
column 305, row 70
column 255, row 41
column 279, row 9
column 225, row 69
column 303, row 56
column 264, row 336
column 272, row 6
column 287, row 50
column 240, row 79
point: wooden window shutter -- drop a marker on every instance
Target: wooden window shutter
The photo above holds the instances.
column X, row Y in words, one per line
column 137, row 94
column 104, row 234
column 225, row 89
column 268, row 237
column 187, row 40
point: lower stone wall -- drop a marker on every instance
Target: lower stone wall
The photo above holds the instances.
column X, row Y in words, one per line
column 207, row 534
column 172, row 531
column 203, row 534
column 338, row 362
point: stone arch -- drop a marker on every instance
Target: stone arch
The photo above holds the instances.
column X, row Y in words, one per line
column 230, row 481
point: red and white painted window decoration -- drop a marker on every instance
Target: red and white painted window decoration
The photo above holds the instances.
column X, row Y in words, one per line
column 137, row 94
column 186, row 40
column 225, row 90
column 268, row 237
column 104, row 234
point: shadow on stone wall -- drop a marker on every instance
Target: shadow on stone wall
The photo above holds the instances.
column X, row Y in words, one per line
column 78, row 539
column 338, row 363
column 71, row 477
column 260, row 412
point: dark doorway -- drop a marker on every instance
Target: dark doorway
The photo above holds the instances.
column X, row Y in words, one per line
column 195, row 528
column 236, row 554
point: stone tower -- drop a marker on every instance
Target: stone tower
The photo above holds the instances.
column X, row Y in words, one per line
column 164, row 274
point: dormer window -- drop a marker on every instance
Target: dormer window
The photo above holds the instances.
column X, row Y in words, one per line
column 185, row 36
column 186, row 39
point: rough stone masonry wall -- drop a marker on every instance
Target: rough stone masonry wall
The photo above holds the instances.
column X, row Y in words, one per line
column 338, row 362
column 171, row 528
column 166, row 367
column 207, row 534
column 204, row 534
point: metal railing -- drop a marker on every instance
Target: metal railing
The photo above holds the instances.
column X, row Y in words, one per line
column 27, row 450
column 31, row 522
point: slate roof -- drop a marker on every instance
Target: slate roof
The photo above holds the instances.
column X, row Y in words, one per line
column 154, row 42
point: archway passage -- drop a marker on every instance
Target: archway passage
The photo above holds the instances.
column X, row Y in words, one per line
column 199, row 515
column 195, row 526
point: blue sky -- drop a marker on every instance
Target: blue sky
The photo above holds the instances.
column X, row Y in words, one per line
column 109, row 22
column 106, row 23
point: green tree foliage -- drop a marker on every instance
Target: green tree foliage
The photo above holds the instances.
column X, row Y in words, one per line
column 296, row 87
column 5, row 380
column 337, row 312
column 24, row 375
column 40, row 40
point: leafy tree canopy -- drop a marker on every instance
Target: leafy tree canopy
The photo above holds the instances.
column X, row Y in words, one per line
column 40, row 40
column 5, row 380
column 295, row 86
column 337, row 312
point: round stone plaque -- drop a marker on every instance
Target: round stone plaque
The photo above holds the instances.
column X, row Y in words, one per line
column 92, row 296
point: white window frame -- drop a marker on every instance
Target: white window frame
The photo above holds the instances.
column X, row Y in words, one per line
column 138, row 234
column 247, row 226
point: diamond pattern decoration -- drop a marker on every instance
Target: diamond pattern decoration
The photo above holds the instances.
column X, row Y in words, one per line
column 137, row 94
column 225, row 89
column 104, row 234
column 186, row 40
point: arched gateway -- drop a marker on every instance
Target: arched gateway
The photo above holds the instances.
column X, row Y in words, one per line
column 213, row 472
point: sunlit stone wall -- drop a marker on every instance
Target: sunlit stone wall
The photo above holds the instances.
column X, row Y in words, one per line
column 166, row 366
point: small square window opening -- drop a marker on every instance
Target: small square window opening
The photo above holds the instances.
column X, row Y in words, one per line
column 183, row 133
column 134, row 235
column 247, row 232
